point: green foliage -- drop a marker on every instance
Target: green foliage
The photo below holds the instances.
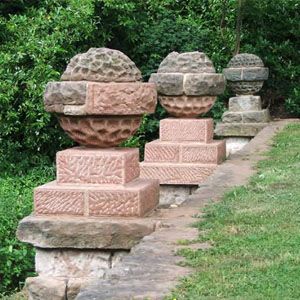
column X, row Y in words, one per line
column 16, row 258
column 254, row 232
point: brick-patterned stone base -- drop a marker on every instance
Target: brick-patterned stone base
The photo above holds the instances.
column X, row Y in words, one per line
column 177, row 173
column 136, row 198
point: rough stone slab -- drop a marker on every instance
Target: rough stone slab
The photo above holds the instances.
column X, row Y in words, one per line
column 42, row 288
column 97, row 166
column 239, row 129
column 92, row 98
column 174, row 194
column 200, row 130
column 245, row 103
column 234, row 144
column 186, row 152
column 205, row 84
column 136, row 198
column 170, row 84
column 246, row 74
column 83, row 232
column 71, row 263
column 261, row 116
column 177, row 173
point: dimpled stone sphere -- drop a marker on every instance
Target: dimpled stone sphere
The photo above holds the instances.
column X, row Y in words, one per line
column 245, row 74
column 102, row 64
column 101, row 99
column 187, row 84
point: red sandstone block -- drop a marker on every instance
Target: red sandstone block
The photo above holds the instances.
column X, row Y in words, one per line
column 177, row 173
column 136, row 198
column 97, row 166
column 158, row 151
column 186, row 152
column 200, row 130
column 211, row 153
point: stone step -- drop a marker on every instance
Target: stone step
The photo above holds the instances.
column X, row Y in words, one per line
column 177, row 173
column 185, row 152
column 186, row 130
column 83, row 165
column 262, row 116
column 239, row 129
column 136, row 198
column 52, row 232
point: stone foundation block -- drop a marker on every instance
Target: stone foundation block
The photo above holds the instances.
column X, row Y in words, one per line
column 71, row 263
column 185, row 152
column 239, row 129
column 244, row 103
column 42, row 288
column 136, row 198
column 97, row 166
column 83, row 232
column 234, row 144
column 177, row 173
column 262, row 116
column 197, row 130
column 175, row 194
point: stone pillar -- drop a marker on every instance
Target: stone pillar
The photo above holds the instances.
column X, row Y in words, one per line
column 245, row 117
column 185, row 154
column 85, row 220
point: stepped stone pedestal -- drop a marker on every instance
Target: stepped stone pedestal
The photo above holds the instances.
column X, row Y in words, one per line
column 95, row 211
column 185, row 154
column 245, row 117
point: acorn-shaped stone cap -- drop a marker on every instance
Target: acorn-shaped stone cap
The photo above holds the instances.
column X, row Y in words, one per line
column 187, row 84
column 245, row 74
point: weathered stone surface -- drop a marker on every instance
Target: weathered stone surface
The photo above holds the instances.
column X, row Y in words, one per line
column 245, row 87
column 168, row 83
column 177, row 173
column 186, row 152
column 239, row 129
column 245, row 60
column 83, row 232
column 189, row 62
column 246, row 74
column 102, row 64
column 117, row 257
column 71, row 263
column 204, row 84
column 90, row 98
column 74, row 285
column 100, row 131
column 261, row 116
column 245, row 103
column 97, row 166
column 174, row 194
column 136, row 198
column 200, row 130
column 187, row 106
column 46, row 288
column 234, row 144
column 64, row 93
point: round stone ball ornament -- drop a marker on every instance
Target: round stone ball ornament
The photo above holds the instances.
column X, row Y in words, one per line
column 187, row 84
column 101, row 99
column 245, row 74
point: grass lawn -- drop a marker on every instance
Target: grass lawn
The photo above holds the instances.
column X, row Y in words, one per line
column 255, row 233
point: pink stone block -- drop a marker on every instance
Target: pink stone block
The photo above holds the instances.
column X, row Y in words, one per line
column 136, row 198
column 200, row 130
column 211, row 153
column 97, row 166
column 158, row 151
column 185, row 152
column 177, row 173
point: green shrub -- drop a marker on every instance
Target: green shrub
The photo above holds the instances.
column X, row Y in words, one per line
column 16, row 258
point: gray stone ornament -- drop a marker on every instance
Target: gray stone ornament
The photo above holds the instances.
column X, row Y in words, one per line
column 187, row 84
column 246, row 74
